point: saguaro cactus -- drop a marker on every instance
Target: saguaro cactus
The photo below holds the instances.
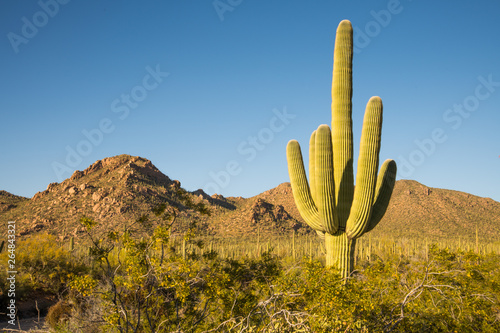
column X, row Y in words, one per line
column 339, row 212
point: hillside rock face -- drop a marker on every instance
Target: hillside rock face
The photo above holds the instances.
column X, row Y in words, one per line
column 253, row 216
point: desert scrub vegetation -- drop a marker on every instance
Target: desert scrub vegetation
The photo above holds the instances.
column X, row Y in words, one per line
column 148, row 285
column 42, row 266
column 127, row 281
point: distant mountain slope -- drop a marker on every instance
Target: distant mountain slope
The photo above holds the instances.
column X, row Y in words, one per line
column 416, row 210
column 9, row 201
column 120, row 189
column 252, row 216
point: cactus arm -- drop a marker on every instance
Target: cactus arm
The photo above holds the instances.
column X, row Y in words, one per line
column 342, row 120
column 325, row 186
column 385, row 184
column 367, row 169
column 312, row 165
column 300, row 187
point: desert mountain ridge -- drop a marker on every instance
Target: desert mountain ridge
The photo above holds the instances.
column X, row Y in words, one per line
column 116, row 190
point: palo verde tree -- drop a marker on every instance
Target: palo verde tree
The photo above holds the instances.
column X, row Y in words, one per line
column 329, row 203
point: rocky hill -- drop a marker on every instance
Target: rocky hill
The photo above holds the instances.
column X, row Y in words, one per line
column 118, row 190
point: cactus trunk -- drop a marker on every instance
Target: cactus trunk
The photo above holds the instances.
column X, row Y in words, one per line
column 340, row 252
column 329, row 203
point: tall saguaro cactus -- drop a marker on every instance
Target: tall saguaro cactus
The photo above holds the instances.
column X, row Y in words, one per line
column 339, row 212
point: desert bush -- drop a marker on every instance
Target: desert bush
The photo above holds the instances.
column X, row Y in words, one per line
column 57, row 314
column 156, row 288
column 41, row 265
column 149, row 284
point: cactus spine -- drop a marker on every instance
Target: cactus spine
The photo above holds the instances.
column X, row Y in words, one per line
column 329, row 203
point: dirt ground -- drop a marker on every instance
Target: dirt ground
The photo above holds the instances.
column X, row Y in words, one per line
column 24, row 325
column 31, row 313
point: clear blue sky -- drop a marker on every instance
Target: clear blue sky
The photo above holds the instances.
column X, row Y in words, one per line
column 211, row 91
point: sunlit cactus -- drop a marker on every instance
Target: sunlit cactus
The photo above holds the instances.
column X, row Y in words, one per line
column 329, row 203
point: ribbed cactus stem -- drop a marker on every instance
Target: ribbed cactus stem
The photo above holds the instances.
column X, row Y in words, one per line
column 383, row 192
column 325, row 186
column 184, row 247
column 340, row 252
column 342, row 120
column 300, row 188
column 366, row 179
column 312, row 165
